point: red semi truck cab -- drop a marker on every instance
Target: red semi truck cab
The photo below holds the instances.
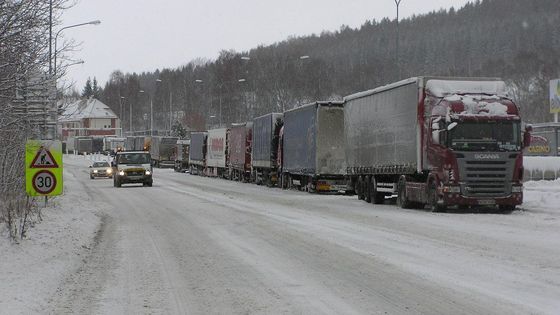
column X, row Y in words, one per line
column 474, row 146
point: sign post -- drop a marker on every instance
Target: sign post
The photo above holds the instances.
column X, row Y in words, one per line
column 43, row 168
column 555, row 98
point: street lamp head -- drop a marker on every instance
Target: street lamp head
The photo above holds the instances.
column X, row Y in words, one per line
column 212, row 116
column 304, row 57
column 122, row 97
column 241, row 80
column 141, row 91
column 245, row 58
column 198, row 81
column 158, row 80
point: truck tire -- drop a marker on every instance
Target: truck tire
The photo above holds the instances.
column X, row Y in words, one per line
column 377, row 197
column 360, row 188
column 367, row 189
column 118, row 183
column 506, row 208
column 402, row 198
column 432, row 198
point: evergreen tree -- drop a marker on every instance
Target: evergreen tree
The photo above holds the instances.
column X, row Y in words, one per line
column 95, row 90
column 88, row 89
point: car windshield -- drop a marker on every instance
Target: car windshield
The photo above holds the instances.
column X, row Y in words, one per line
column 101, row 164
column 134, row 158
column 485, row 136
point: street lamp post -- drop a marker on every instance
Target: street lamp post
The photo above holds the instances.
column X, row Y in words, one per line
column 52, row 65
column 96, row 22
column 151, row 115
column 121, row 115
column 170, row 105
column 397, row 3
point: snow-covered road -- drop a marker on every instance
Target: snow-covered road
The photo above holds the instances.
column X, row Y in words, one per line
column 200, row 245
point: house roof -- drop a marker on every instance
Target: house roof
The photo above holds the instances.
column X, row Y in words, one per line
column 86, row 108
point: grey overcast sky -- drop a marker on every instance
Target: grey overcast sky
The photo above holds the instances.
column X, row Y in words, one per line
column 144, row 35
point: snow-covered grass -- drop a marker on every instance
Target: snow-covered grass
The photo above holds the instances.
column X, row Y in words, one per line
column 32, row 269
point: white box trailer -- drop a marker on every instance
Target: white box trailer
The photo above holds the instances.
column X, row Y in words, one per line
column 216, row 160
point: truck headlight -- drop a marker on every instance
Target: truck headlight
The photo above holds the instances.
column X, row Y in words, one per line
column 148, row 172
column 516, row 189
column 452, row 189
column 95, row 171
column 121, row 173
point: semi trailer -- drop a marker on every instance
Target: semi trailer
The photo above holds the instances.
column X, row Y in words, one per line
column 266, row 130
column 197, row 153
column 240, row 142
column 312, row 148
column 182, row 155
column 435, row 141
column 162, row 151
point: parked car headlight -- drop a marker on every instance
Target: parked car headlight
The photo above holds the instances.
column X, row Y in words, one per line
column 148, row 172
column 95, row 171
column 109, row 171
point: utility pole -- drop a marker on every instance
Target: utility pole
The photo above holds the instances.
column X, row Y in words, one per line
column 397, row 3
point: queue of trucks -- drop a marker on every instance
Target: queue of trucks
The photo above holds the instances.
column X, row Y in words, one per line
column 428, row 141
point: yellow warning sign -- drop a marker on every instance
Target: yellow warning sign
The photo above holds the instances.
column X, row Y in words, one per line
column 43, row 168
column 43, row 159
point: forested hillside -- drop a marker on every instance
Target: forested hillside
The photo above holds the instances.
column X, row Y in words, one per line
column 516, row 40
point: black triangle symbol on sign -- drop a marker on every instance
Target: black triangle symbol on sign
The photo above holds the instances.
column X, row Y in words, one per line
column 43, row 159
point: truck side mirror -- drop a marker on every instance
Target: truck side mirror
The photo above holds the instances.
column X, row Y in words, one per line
column 527, row 136
column 435, row 136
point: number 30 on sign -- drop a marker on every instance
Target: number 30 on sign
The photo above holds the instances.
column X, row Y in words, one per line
column 43, row 168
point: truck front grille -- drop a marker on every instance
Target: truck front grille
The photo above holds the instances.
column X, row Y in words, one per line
column 485, row 178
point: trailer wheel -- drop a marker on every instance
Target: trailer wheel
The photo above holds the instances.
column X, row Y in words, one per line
column 360, row 188
column 402, row 199
column 377, row 197
column 367, row 192
column 433, row 198
column 506, row 208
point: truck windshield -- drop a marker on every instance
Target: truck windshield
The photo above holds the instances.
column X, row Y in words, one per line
column 133, row 158
column 485, row 136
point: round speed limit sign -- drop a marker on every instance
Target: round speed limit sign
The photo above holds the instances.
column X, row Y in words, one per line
column 44, row 182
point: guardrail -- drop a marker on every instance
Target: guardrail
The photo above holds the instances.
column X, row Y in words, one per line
column 541, row 167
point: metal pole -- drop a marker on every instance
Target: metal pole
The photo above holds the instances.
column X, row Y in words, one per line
column 170, row 110
column 50, row 37
column 398, row 2
column 130, row 119
column 151, row 117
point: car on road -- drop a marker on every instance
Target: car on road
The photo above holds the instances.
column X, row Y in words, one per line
column 132, row 167
column 100, row 169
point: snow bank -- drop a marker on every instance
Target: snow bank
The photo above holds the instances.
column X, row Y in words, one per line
column 32, row 270
column 542, row 196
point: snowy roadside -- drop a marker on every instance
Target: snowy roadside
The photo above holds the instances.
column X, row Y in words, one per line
column 32, row 270
column 542, row 196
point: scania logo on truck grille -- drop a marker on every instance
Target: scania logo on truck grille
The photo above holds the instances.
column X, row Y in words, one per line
column 486, row 156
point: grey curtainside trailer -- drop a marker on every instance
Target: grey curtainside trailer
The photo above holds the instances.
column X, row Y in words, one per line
column 312, row 141
column 197, row 152
column 162, row 151
column 264, row 153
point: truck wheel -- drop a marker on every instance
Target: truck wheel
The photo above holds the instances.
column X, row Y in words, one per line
column 284, row 181
column 377, row 197
column 367, row 190
column 149, row 184
column 402, row 199
column 360, row 188
column 506, row 208
column 433, row 198
column 118, row 183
